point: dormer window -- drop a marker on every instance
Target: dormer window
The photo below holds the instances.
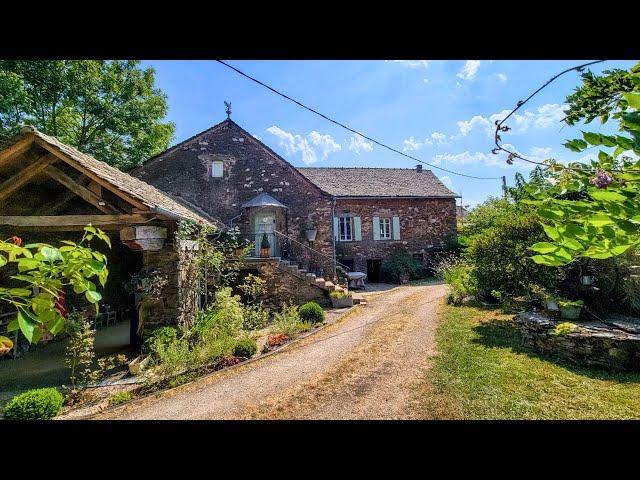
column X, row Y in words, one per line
column 217, row 170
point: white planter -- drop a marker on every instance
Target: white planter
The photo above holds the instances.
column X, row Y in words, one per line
column 587, row 279
column 311, row 233
column 187, row 245
column 552, row 305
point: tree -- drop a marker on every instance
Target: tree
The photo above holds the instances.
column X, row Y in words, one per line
column 592, row 210
column 43, row 271
column 109, row 109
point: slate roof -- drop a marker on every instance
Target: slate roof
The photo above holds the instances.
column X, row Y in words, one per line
column 159, row 202
column 263, row 200
column 378, row 182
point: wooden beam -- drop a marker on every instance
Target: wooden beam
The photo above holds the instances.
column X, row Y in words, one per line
column 25, row 175
column 73, row 220
column 62, row 199
column 78, row 166
column 15, row 150
column 84, row 193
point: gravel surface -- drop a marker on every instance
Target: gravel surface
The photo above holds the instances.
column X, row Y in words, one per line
column 363, row 366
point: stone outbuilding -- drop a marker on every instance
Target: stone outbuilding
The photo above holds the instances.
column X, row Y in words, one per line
column 50, row 191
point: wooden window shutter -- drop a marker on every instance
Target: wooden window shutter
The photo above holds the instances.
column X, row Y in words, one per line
column 336, row 228
column 376, row 228
column 396, row 228
column 357, row 229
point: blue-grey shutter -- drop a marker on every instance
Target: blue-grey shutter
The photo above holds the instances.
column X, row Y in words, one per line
column 357, row 229
column 336, row 228
column 396, row 228
column 376, row 228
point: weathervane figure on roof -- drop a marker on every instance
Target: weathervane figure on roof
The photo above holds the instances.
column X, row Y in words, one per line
column 228, row 105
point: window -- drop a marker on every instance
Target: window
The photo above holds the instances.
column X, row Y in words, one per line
column 385, row 229
column 217, row 169
column 345, row 229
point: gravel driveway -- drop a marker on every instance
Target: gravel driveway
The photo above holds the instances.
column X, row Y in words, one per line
column 362, row 367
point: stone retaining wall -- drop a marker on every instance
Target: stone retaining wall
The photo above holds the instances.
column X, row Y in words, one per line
column 593, row 343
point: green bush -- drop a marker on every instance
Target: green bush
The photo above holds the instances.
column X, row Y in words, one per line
column 38, row 404
column 245, row 347
column 255, row 317
column 160, row 338
column 398, row 264
column 455, row 272
column 287, row 321
column 311, row 312
column 500, row 258
column 120, row 397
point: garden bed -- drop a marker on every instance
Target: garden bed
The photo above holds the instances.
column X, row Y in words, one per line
column 98, row 398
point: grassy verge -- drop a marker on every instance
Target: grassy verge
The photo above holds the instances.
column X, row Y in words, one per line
column 483, row 372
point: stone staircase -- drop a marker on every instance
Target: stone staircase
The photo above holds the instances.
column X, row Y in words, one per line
column 311, row 278
column 319, row 282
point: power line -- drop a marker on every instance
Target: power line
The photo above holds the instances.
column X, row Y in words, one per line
column 351, row 129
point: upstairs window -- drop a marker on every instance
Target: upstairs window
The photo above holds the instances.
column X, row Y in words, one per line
column 385, row 229
column 345, row 229
column 217, row 170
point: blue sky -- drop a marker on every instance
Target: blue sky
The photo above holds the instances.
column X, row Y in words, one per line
column 438, row 111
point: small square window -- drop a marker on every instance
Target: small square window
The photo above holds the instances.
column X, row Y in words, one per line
column 217, row 170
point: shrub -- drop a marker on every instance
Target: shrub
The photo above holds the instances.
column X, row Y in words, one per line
column 161, row 338
column 120, row 397
column 226, row 313
column 245, row 348
column 80, row 352
column 340, row 294
column 255, row 317
column 455, row 272
column 501, row 259
column 398, row 264
column 311, row 312
column 38, row 404
column 288, row 322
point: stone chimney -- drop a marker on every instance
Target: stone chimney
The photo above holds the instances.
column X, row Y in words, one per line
column 419, row 168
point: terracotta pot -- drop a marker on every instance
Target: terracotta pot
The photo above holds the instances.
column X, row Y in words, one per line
column 264, row 252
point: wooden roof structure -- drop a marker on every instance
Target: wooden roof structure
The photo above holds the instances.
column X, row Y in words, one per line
column 110, row 198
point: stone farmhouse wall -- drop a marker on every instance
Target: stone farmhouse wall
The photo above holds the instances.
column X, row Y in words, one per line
column 425, row 225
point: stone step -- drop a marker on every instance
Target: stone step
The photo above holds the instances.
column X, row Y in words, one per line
column 329, row 285
column 302, row 271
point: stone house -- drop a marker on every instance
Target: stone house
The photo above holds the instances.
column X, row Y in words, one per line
column 310, row 217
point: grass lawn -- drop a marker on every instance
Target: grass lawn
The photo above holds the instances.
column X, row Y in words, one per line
column 483, row 372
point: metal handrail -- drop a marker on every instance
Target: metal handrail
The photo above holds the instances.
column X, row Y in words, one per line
column 333, row 260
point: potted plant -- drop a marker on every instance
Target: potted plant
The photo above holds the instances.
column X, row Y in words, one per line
column 570, row 309
column 341, row 299
column 310, row 231
column 265, row 246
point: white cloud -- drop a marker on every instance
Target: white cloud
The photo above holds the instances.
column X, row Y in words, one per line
column 412, row 63
column 425, row 80
column 469, row 70
column 545, row 116
column 411, row 144
column 447, row 181
column 502, row 77
column 358, row 144
column 438, row 138
column 479, row 158
column 325, row 142
column 294, row 144
column 540, row 152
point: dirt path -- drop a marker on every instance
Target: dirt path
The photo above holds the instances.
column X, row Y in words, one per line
column 364, row 366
